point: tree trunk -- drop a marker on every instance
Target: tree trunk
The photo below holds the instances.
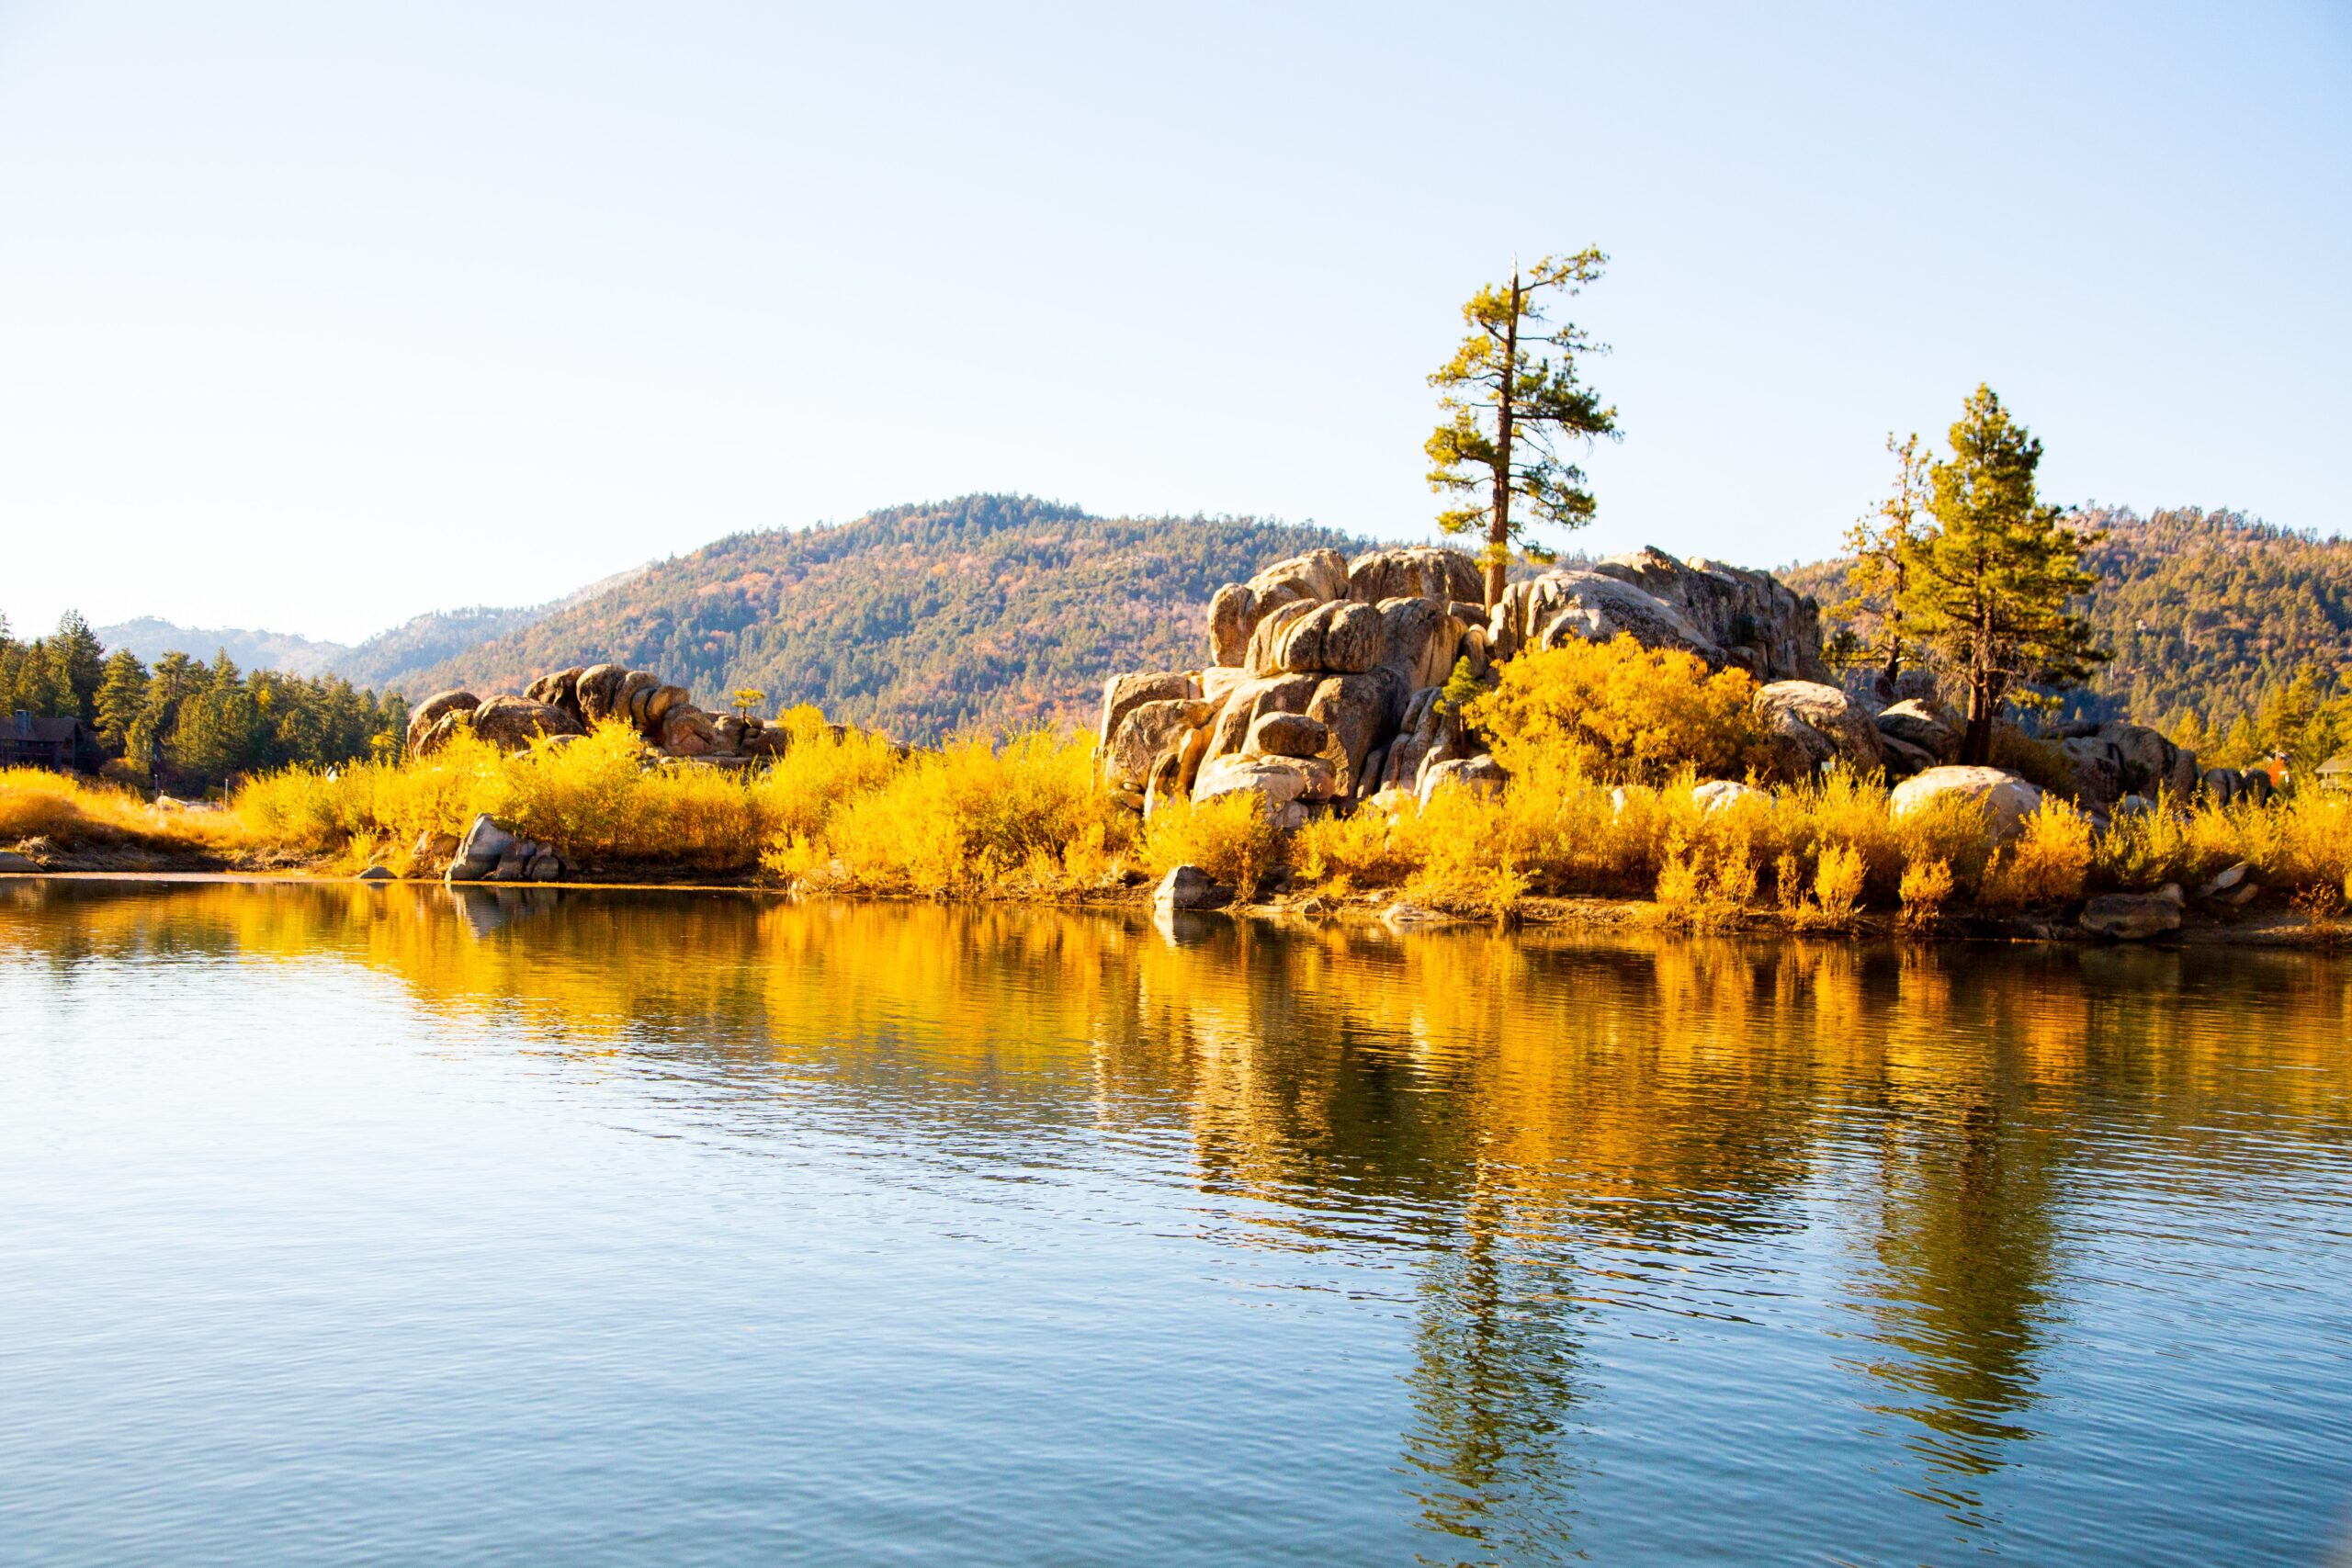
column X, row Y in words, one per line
column 1976, row 746
column 1499, row 525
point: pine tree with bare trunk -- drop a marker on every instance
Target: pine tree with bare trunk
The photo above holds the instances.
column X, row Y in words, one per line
column 1511, row 397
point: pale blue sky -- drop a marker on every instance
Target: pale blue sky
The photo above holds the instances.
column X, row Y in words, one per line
column 312, row 317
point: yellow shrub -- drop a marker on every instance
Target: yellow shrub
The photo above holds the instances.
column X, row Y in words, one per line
column 1836, row 888
column 1618, row 710
column 1228, row 836
column 2048, row 864
column 976, row 817
column 1364, row 849
column 1950, row 830
column 1705, row 885
column 1926, row 885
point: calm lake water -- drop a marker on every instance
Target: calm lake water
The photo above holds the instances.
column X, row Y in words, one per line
column 349, row 1226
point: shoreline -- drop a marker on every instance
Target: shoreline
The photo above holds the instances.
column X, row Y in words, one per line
column 1387, row 910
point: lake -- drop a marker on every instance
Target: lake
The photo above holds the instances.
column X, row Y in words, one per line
column 349, row 1224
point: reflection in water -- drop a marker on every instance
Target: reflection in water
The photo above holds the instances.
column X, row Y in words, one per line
column 1512, row 1133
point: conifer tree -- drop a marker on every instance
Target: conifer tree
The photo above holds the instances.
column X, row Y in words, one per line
column 1510, row 393
column 1881, row 542
column 1990, row 590
column 122, row 692
column 78, row 659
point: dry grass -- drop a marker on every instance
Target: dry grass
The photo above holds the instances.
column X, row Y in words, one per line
column 38, row 804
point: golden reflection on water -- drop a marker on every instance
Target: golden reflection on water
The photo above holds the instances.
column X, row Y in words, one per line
column 1541, row 1124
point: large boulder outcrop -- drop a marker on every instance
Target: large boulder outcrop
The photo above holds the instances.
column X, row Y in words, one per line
column 1229, row 729
column 2149, row 761
column 1145, row 731
column 560, row 689
column 430, row 725
column 1546, row 611
column 1811, row 725
column 1338, row 635
column 1421, row 639
column 1361, row 712
column 1752, row 620
column 1123, row 693
column 513, row 723
column 1238, row 608
column 1479, row 773
column 1423, row 572
column 2007, row 799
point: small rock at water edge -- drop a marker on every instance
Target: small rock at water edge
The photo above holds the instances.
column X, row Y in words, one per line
column 2130, row 917
column 1185, row 887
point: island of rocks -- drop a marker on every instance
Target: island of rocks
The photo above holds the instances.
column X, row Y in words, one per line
column 1321, row 684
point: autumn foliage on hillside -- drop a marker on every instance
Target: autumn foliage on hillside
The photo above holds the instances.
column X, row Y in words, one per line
column 988, row 612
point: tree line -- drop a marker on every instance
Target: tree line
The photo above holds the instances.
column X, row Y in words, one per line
column 187, row 723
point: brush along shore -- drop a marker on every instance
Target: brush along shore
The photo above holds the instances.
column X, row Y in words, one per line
column 840, row 813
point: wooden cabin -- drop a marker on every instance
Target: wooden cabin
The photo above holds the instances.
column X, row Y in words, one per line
column 65, row 745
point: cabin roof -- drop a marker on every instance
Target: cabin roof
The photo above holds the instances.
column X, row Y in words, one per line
column 2339, row 764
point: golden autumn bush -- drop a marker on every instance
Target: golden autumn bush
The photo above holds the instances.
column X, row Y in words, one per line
column 1620, row 711
column 1228, row 836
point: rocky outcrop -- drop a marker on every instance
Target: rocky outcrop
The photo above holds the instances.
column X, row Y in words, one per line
column 1423, row 572
column 1728, row 616
column 1237, row 609
column 1812, row 725
column 1750, row 618
column 2007, row 800
column 1324, row 679
column 513, row 723
column 1480, row 773
column 569, row 703
column 436, row 718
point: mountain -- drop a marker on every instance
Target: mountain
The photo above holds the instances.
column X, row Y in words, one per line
column 2204, row 610
column 986, row 612
column 389, row 661
column 151, row 638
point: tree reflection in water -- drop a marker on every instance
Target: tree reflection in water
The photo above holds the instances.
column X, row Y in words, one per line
column 1534, row 1128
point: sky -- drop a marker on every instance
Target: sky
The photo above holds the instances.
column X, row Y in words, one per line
column 314, row 317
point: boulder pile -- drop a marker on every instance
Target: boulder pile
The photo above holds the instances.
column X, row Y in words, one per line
column 1322, row 687
column 568, row 702
column 1324, row 675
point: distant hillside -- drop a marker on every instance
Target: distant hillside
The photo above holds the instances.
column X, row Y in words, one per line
column 989, row 611
column 2205, row 611
column 389, row 661
column 151, row 638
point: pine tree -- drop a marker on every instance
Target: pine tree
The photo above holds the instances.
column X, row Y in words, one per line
column 1882, row 542
column 1990, row 590
column 78, row 660
column 123, row 693
column 1510, row 393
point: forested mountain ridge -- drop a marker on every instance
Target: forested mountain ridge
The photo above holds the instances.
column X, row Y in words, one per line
column 2206, row 613
column 986, row 612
